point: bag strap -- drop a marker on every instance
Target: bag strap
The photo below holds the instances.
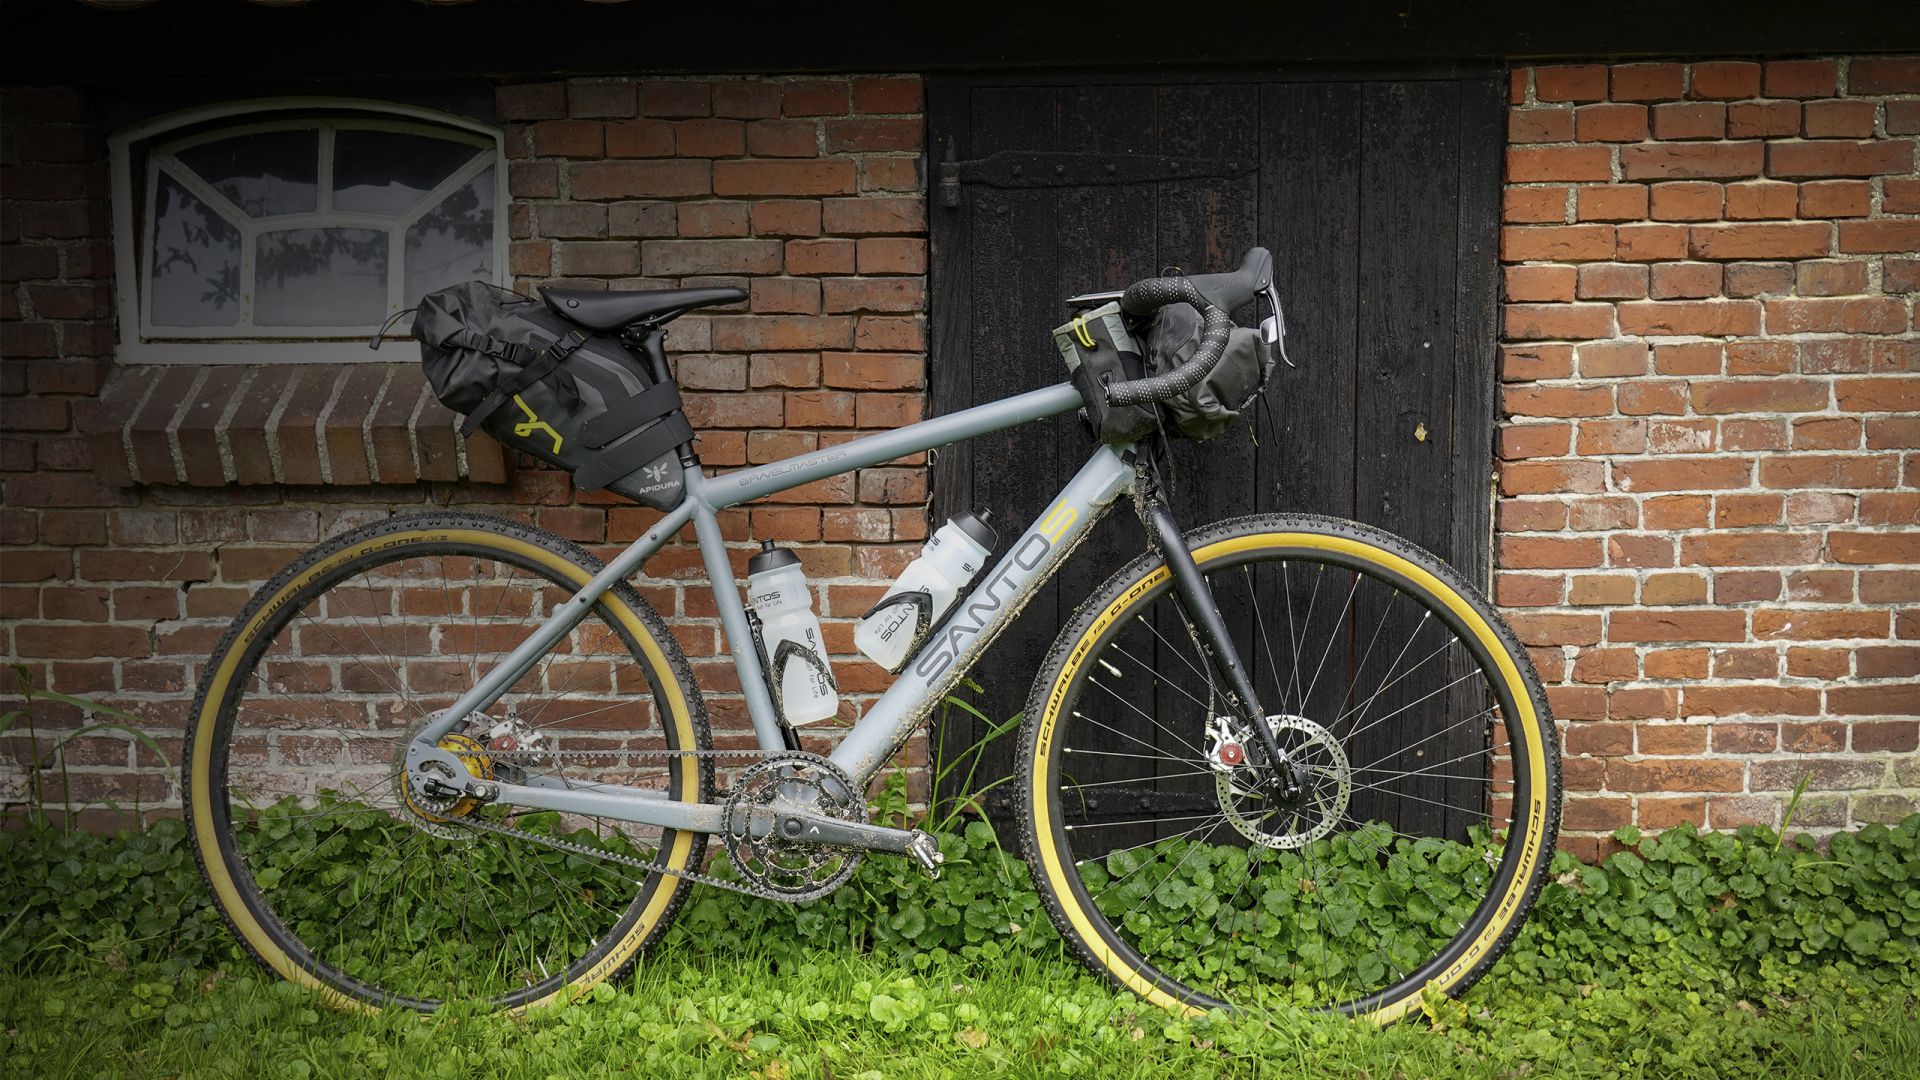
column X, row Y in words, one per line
column 613, row 464
column 635, row 412
column 536, row 367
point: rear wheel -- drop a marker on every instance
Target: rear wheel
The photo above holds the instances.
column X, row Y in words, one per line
column 1428, row 778
column 334, row 873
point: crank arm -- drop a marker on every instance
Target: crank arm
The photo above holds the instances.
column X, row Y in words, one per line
column 807, row 827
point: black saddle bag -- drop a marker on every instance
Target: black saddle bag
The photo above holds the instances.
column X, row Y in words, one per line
column 1217, row 401
column 544, row 385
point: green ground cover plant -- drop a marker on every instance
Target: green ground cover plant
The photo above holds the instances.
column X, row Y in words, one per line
column 1725, row 954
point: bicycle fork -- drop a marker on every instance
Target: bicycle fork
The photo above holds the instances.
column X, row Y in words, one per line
column 1210, row 630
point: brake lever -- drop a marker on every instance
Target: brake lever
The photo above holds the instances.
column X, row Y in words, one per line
column 1273, row 328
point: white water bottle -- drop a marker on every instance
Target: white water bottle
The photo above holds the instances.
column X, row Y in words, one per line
column 803, row 686
column 925, row 590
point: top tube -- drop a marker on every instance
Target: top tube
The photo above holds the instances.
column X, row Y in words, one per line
column 745, row 485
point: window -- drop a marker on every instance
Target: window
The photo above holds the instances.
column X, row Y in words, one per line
column 292, row 230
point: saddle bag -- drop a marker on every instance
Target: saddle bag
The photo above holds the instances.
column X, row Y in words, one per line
column 1212, row 406
column 546, row 386
column 1100, row 351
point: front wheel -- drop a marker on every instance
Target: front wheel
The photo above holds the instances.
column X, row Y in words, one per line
column 1428, row 796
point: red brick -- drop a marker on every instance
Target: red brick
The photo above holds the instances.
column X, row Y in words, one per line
column 1725, row 80
column 828, row 256
column 746, row 99
column 816, row 98
column 1549, row 163
column 1547, row 553
column 661, row 97
column 1534, row 204
column 1613, row 437
column 1679, row 281
column 1686, row 201
column 1838, row 119
column 1652, row 398
column 1762, row 119
column 1852, row 315
column 1534, row 321
column 1833, row 158
column 835, row 177
column 1804, row 240
column 1539, row 125
column 1884, row 75
column 1646, row 82
column 868, row 134
column 1610, row 123
column 1758, row 279
column 1703, row 475
column 1556, row 401
column 1570, row 82
column 1761, row 199
column 1663, row 161
column 887, row 95
column 1676, row 512
column 1702, row 775
column 784, row 138
column 1903, row 117
column 1891, row 236
column 640, row 139
column 531, row 101
column 789, row 296
column 1830, row 278
column 872, row 371
column 709, row 138
column 1801, row 78
column 799, row 370
column 1901, row 196
column 1703, row 358
column 639, row 179
column 1537, row 284
column 603, row 98
column 1649, row 243
column 1612, row 281
column 1889, row 700
column 569, row 138
column 1721, row 318
column 1874, row 547
column 1564, row 243
column 1611, row 202
column 1611, row 359
column 1835, row 198
column 1778, row 395
column 742, row 333
column 874, row 294
column 785, row 217
column 1687, row 121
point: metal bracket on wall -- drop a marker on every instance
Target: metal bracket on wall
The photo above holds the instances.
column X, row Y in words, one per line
column 1051, row 168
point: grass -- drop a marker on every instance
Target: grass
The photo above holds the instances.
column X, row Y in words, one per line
column 868, row 1016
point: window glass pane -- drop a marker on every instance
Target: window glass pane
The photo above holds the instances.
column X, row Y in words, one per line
column 196, row 261
column 267, row 173
column 453, row 242
column 385, row 172
column 320, row 277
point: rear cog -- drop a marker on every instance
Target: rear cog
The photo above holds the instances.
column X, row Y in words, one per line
column 435, row 814
column 763, row 792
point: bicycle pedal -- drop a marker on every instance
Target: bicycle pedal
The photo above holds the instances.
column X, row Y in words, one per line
column 926, row 852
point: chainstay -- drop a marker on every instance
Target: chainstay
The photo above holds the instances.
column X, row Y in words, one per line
column 694, row 876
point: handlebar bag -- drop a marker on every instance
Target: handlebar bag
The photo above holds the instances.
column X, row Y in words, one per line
column 545, row 386
column 1099, row 351
column 1212, row 406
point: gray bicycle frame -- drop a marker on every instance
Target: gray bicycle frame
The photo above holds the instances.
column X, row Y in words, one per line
column 951, row 647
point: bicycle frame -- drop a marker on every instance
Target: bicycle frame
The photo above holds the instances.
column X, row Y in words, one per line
column 951, row 647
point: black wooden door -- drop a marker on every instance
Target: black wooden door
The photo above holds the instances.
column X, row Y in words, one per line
column 1379, row 199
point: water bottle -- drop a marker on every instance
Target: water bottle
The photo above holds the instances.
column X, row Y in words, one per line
column 803, row 686
column 925, row 590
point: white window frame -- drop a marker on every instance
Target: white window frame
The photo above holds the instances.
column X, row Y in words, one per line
column 143, row 343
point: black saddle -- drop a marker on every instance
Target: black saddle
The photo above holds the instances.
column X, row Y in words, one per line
column 601, row 310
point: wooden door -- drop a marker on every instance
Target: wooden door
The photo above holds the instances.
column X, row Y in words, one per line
column 1378, row 197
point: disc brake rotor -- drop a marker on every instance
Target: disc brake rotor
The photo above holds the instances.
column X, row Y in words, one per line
column 1287, row 824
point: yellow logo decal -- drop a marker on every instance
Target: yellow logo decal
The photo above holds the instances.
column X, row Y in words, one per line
column 533, row 424
column 1080, row 331
column 1057, row 521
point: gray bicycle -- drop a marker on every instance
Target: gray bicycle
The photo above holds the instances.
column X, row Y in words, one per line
column 1276, row 760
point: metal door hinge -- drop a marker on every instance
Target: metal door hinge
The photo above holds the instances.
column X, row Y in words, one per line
column 1055, row 168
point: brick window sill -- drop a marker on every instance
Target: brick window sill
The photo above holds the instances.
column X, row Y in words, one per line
column 212, row 425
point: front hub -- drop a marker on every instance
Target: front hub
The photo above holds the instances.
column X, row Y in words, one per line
column 1310, row 802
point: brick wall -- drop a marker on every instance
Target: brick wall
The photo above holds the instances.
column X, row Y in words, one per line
column 1707, row 472
column 805, row 191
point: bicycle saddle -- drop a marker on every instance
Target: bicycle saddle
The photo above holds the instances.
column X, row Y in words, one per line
column 597, row 309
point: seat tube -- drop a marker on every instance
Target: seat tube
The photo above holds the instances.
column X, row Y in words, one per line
column 733, row 619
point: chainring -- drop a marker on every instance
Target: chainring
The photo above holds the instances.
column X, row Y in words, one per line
column 1294, row 824
column 785, row 869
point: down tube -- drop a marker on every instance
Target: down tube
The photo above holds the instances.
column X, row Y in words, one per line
column 953, row 646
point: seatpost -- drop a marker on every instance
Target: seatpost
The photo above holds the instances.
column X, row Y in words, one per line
column 1204, row 615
